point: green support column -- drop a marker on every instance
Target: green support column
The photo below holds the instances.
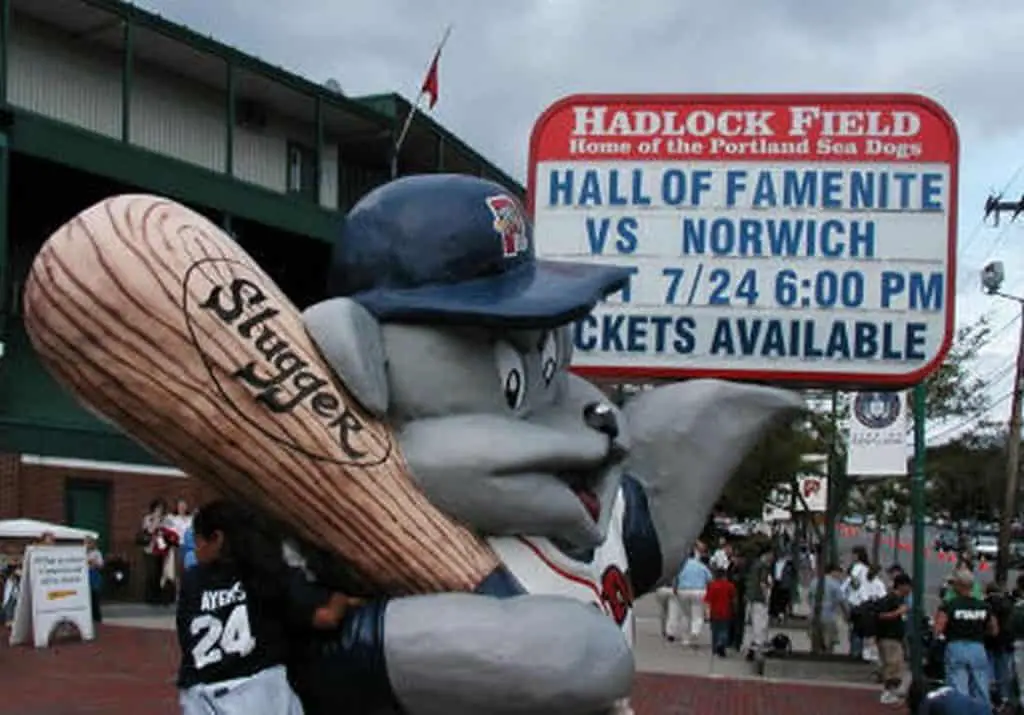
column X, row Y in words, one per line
column 229, row 134
column 318, row 177
column 5, row 36
column 917, row 511
column 126, row 76
column 5, row 253
column 229, row 115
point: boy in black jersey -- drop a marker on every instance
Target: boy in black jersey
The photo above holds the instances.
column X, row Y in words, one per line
column 890, row 632
column 237, row 608
column 964, row 621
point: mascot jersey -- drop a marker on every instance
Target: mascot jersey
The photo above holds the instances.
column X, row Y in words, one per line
column 542, row 568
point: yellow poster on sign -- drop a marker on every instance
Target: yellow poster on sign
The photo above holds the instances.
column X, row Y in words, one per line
column 57, row 595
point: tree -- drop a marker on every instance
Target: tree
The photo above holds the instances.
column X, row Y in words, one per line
column 777, row 459
column 953, row 390
column 966, row 476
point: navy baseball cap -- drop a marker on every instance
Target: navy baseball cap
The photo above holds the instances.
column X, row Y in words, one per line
column 457, row 249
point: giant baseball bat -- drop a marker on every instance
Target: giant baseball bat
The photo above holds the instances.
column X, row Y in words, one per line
column 162, row 324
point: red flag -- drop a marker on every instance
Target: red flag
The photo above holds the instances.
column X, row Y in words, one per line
column 430, row 87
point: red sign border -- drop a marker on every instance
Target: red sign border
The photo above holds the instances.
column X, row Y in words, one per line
column 848, row 379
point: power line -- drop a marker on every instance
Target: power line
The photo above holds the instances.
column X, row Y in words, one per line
column 968, row 421
column 965, row 246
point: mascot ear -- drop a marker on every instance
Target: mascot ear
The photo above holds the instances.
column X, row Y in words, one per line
column 350, row 340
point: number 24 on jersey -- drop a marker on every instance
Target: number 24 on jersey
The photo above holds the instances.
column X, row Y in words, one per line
column 233, row 636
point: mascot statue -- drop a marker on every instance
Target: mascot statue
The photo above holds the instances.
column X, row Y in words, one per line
column 441, row 324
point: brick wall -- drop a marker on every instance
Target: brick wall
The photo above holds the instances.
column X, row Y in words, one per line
column 37, row 492
column 10, row 494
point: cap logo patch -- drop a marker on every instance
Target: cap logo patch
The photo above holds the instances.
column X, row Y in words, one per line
column 509, row 224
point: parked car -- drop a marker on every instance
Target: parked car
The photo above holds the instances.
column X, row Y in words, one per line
column 1016, row 554
column 946, row 540
column 986, row 547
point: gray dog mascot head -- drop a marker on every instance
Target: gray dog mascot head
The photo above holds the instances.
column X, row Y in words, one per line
column 442, row 321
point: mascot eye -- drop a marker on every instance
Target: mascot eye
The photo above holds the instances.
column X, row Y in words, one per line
column 511, row 374
column 549, row 357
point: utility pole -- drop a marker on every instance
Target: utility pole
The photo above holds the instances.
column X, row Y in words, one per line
column 1012, row 461
column 992, row 277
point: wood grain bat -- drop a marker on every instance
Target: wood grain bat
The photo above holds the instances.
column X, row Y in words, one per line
column 161, row 323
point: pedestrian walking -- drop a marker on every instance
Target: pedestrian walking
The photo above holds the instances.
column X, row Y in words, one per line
column 759, row 581
column 720, row 599
column 890, row 632
column 691, row 585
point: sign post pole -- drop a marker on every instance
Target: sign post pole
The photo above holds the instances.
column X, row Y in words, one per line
column 917, row 512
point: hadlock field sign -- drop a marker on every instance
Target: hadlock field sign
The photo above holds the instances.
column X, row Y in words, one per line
column 790, row 238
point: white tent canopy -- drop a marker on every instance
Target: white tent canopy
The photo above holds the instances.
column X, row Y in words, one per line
column 33, row 529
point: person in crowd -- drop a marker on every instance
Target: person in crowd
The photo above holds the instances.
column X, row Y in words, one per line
column 873, row 590
column 832, row 606
column 1016, row 635
column 738, row 575
column 759, row 583
column 720, row 599
column 181, row 519
column 963, row 621
column 47, row 538
column 154, row 539
column 703, row 553
column 964, row 563
column 188, row 548
column 94, row 557
column 9, row 591
column 722, row 558
column 691, row 585
column 242, row 585
column 852, row 590
column 784, row 582
column 890, row 633
column 999, row 645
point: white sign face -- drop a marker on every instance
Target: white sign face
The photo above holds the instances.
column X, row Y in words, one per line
column 804, row 239
column 878, row 435
column 54, row 592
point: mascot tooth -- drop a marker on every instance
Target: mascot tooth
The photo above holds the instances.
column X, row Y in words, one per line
column 442, row 321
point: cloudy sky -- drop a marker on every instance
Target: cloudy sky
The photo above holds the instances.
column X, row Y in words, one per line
column 506, row 61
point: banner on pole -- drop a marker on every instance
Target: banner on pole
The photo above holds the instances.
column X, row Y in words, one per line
column 878, row 435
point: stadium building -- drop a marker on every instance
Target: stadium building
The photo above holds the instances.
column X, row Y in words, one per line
column 98, row 97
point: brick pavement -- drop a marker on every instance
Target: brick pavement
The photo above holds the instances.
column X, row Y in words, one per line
column 130, row 670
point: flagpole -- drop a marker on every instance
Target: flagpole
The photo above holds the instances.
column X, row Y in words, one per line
column 415, row 107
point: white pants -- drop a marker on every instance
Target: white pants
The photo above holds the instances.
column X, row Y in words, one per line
column 265, row 693
column 691, row 604
column 758, row 626
column 671, row 613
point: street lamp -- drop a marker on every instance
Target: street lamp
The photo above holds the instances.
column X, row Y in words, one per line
column 992, row 277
